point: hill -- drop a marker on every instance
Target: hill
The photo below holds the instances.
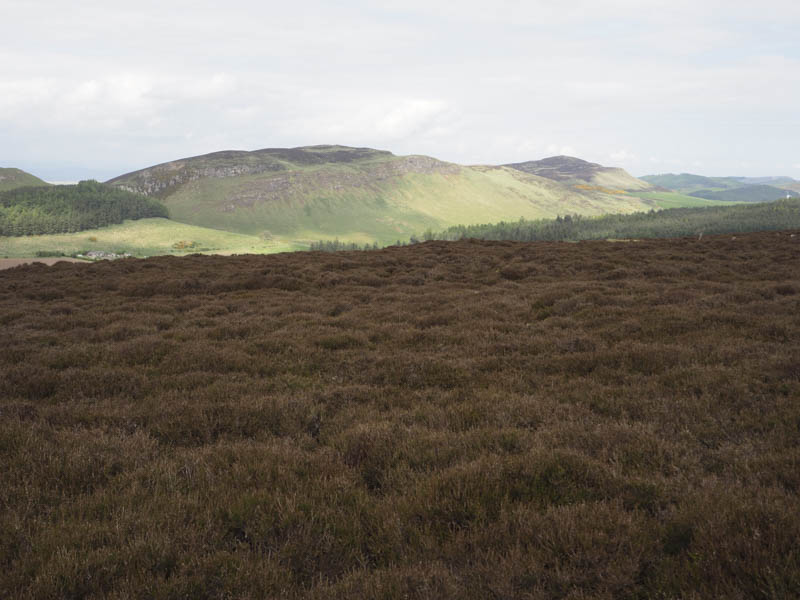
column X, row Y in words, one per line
column 777, row 181
column 464, row 420
column 568, row 169
column 747, row 193
column 15, row 178
column 362, row 195
column 687, row 182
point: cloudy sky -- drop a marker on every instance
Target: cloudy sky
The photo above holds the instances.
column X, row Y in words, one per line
column 98, row 88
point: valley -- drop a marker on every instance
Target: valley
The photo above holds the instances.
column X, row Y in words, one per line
column 284, row 199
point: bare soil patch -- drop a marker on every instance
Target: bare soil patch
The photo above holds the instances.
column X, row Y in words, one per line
column 7, row 263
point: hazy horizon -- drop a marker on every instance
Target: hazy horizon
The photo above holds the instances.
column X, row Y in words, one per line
column 99, row 89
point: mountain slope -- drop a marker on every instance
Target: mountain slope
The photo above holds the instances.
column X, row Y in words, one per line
column 748, row 193
column 361, row 195
column 687, row 183
column 568, row 169
column 14, row 178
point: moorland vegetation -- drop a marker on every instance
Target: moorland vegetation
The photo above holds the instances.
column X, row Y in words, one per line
column 469, row 420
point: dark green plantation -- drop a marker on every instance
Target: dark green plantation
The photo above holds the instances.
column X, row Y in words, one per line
column 669, row 223
column 446, row 420
column 70, row 208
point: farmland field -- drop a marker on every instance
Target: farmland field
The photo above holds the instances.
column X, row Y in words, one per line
column 445, row 420
column 675, row 200
column 142, row 237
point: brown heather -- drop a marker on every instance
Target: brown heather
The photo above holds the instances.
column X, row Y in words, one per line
column 447, row 420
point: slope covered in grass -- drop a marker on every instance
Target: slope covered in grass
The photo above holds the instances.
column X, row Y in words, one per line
column 749, row 193
column 15, row 178
column 382, row 210
column 687, row 182
column 357, row 194
column 678, row 200
column 144, row 237
column 449, row 420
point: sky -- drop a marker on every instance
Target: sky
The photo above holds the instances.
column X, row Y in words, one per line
column 94, row 89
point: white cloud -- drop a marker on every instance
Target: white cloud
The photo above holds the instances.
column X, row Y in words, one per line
column 622, row 156
column 411, row 117
column 553, row 149
column 472, row 82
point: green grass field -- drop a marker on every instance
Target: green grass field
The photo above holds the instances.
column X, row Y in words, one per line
column 145, row 237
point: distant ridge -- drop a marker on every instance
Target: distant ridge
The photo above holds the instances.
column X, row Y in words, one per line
column 11, row 178
column 748, row 193
column 159, row 179
column 571, row 169
column 742, row 189
column 688, row 182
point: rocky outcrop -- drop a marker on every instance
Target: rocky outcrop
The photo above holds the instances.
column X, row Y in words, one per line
column 354, row 167
column 158, row 181
column 161, row 179
column 284, row 186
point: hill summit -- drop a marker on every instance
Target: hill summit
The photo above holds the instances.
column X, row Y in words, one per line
column 571, row 169
column 11, row 178
column 161, row 179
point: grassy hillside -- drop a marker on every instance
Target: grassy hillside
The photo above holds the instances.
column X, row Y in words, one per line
column 144, row 237
column 358, row 194
column 748, row 193
column 381, row 210
column 16, row 178
column 677, row 200
column 687, row 182
column 794, row 187
column 777, row 181
column 464, row 420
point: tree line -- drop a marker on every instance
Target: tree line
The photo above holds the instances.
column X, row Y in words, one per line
column 336, row 246
column 668, row 223
column 70, row 208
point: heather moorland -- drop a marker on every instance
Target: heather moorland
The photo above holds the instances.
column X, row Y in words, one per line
column 443, row 420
